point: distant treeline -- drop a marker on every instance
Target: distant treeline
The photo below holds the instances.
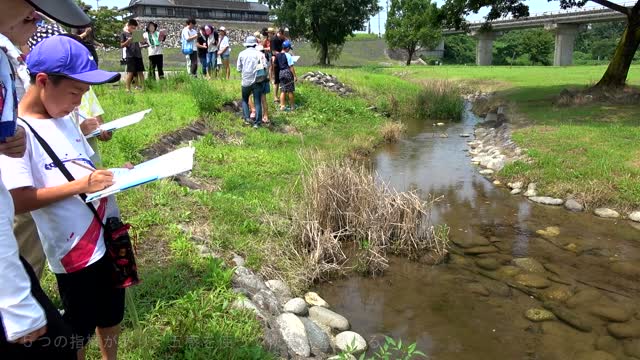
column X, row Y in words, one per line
column 535, row 46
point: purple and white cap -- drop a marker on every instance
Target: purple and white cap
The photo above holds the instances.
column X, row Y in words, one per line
column 64, row 56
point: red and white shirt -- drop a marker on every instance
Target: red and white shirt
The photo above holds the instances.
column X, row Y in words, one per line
column 71, row 236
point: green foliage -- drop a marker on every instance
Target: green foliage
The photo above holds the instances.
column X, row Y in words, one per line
column 390, row 350
column 107, row 24
column 412, row 23
column 206, row 98
column 323, row 22
column 439, row 100
column 459, row 49
column 334, row 51
column 524, row 47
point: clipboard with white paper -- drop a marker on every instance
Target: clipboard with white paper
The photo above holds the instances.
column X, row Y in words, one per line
column 173, row 163
column 120, row 123
column 295, row 59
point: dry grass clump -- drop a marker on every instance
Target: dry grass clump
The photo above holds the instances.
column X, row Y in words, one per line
column 345, row 204
column 392, row 131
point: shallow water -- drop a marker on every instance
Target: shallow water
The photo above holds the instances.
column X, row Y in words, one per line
column 441, row 307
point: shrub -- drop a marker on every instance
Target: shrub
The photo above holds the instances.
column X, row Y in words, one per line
column 392, row 131
column 440, row 100
column 207, row 99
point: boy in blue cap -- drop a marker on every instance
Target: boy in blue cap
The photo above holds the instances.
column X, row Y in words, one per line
column 288, row 77
column 62, row 69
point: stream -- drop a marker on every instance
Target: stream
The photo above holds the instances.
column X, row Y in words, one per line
column 466, row 309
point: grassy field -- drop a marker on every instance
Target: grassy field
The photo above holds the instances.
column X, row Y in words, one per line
column 591, row 151
column 182, row 308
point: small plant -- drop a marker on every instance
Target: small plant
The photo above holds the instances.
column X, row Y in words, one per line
column 390, row 350
column 207, row 99
column 440, row 100
column 392, row 131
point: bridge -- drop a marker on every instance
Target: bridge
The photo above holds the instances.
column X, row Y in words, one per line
column 565, row 24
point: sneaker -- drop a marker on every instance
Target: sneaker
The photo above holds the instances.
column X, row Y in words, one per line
column 247, row 122
column 255, row 126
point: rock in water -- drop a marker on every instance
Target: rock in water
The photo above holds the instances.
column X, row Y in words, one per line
column 294, row 334
column 557, row 293
column 531, row 190
column 606, row 343
column 573, row 205
column 635, row 216
column 625, row 330
column 630, row 269
column 318, row 339
column 632, row 348
column 486, row 172
column 488, row 263
column 533, row 281
column 351, row 342
column 478, row 289
column 568, row 317
column 545, row 200
column 477, row 250
column 515, row 185
column 327, row 317
column 280, row 289
column 584, row 297
column 529, row 264
column 594, row 355
column 296, row 306
column 314, row 299
column 551, row 231
column 516, row 191
column 509, row 271
column 611, row 312
column 469, row 241
column 606, row 213
column 538, row 315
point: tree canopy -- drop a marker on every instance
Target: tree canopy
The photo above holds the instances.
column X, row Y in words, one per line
column 453, row 13
column 326, row 23
column 107, row 23
column 412, row 24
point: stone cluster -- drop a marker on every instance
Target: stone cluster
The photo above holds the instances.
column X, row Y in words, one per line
column 328, row 82
column 295, row 327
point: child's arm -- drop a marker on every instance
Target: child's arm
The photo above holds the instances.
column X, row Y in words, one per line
column 29, row 198
column 126, row 42
column 293, row 71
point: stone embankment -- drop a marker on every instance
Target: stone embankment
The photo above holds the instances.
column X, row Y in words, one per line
column 493, row 148
column 328, row 82
column 294, row 327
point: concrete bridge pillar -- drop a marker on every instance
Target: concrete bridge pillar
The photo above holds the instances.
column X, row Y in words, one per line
column 565, row 40
column 484, row 47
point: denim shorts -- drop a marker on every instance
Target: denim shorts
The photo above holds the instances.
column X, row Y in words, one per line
column 225, row 57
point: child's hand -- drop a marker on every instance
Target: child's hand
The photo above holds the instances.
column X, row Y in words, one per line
column 128, row 165
column 97, row 181
column 105, row 135
column 14, row 146
column 89, row 125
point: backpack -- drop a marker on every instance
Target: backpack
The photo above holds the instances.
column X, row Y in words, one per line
column 187, row 49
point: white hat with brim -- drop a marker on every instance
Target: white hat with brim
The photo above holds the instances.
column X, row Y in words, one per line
column 250, row 41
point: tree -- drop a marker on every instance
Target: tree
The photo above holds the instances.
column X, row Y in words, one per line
column 325, row 23
column 107, row 23
column 534, row 45
column 412, row 24
column 459, row 49
column 454, row 11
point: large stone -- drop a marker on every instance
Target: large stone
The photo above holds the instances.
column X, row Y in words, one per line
column 296, row 306
column 496, row 164
column 488, row 263
column 478, row 289
column 294, row 334
column 630, row 269
column 280, row 289
column 635, row 216
column 516, row 191
column 606, row 343
column 351, row 342
column 594, row 355
column 549, row 232
column 529, row 264
column 584, row 297
column 533, row 281
column 515, row 185
column 611, row 312
column 266, row 300
column 538, row 315
column 573, row 205
column 625, row 330
column 531, row 190
column 557, row 293
column 318, row 339
column 252, row 283
column 509, row 271
column 486, row 172
column 632, row 348
column 569, row 317
column 243, row 303
column 469, row 241
column 606, row 213
column 329, row 318
column 313, row 299
column 546, row 200
column 343, row 357
column 478, row 250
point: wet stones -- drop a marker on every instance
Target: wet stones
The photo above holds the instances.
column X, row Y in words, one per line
column 477, row 250
column 516, row 191
column 611, row 312
column 328, row 82
column 606, row 343
column 349, row 341
column 314, row 299
column 537, row 315
column 557, row 294
column 635, row 216
column 318, row 339
column 296, row 306
column 549, row 232
column 478, row 289
column 470, row 241
column 533, row 281
column 529, row 264
column 486, row 172
column 294, row 334
column 583, row 297
column 630, row 269
column 632, row 348
column 327, row 317
column 546, row 200
column 531, row 190
column 606, row 213
column 573, row 205
column 594, row 355
column 624, row 330
column 569, row 317
column 488, row 264
column 509, row 271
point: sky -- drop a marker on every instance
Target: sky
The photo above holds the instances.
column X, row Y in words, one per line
column 535, row 6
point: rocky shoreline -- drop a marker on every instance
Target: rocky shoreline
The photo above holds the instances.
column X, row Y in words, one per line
column 294, row 327
column 493, row 148
column 328, row 82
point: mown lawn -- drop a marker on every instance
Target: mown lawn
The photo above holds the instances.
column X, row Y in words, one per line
column 182, row 308
column 590, row 151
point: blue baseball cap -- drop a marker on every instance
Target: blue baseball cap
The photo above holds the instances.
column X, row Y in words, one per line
column 65, row 56
column 287, row 44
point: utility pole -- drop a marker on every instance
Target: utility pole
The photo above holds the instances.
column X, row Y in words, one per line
column 379, row 16
column 97, row 4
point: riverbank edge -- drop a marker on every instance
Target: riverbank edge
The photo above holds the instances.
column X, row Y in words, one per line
column 494, row 136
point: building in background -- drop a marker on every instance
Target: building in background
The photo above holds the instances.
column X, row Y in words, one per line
column 218, row 10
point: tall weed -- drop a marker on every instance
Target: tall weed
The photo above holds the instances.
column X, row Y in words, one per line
column 440, row 100
column 207, row 99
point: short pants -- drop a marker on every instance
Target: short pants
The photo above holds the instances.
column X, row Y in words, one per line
column 135, row 65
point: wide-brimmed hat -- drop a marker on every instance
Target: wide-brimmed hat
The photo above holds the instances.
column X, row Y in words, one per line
column 222, row 28
column 66, row 12
column 250, row 41
column 271, row 30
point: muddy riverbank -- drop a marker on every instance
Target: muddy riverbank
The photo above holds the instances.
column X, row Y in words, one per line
column 526, row 281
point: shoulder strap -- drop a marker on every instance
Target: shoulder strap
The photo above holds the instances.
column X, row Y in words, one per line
column 63, row 169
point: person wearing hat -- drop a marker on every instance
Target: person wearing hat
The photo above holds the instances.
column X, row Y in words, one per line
column 224, row 50
column 276, row 48
column 253, row 66
column 288, row 76
column 156, row 59
column 212, row 50
column 28, row 319
column 62, row 70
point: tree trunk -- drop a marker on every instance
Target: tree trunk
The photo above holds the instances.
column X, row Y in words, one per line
column 616, row 74
column 324, row 53
column 410, row 51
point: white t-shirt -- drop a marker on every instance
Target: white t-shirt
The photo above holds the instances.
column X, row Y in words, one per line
column 71, row 236
column 224, row 43
column 186, row 33
column 153, row 49
column 19, row 66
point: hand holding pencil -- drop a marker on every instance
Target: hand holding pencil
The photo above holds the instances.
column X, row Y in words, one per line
column 97, row 180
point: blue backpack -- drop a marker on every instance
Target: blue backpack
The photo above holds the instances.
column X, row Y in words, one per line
column 187, row 49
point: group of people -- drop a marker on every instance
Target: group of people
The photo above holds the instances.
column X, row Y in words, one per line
column 267, row 59
column 46, row 169
column 208, row 45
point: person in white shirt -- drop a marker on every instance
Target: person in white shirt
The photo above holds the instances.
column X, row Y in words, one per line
column 224, row 50
column 188, row 37
column 155, row 40
column 62, row 70
column 250, row 62
column 28, row 321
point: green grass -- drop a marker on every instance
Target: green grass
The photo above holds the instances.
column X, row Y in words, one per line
column 182, row 308
column 591, row 151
